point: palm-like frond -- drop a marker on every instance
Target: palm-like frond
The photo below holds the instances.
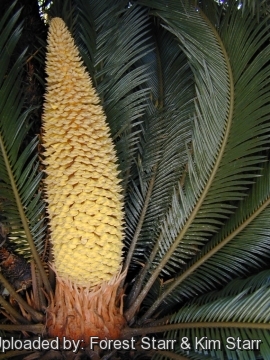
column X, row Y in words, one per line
column 241, row 245
column 208, row 136
column 166, row 134
column 239, row 156
column 22, row 208
column 239, row 311
column 249, row 311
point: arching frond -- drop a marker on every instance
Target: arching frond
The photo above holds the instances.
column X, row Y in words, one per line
column 239, row 157
column 166, row 135
column 249, row 312
column 241, row 245
column 210, row 131
column 21, row 204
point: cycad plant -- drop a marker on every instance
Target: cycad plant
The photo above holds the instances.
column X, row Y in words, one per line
column 147, row 191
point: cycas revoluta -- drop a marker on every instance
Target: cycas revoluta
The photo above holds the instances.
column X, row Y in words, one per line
column 185, row 90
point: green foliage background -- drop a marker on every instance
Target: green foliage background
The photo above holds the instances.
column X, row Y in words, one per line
column 186, row 91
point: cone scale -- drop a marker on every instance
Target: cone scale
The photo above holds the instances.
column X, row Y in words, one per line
column 84, row 198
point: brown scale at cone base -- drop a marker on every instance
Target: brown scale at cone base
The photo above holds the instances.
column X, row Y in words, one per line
column 80, row 313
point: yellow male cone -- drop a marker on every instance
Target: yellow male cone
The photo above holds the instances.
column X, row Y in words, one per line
column 84, row 197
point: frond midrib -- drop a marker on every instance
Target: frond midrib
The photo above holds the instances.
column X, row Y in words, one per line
column 23, row 217
column 130, row 312
column 209, row 254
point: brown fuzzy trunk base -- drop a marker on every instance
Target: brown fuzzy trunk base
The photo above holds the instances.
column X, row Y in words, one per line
column 78, row 313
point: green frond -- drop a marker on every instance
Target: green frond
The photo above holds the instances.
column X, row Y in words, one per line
column 21, row 206
column 20, row 178
column 241, row 245
column 242, row 302
column 219, row 319
column 237, row 286
column 242, row 149
column 210, row 126
column 166, row 133
column 200, row 206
